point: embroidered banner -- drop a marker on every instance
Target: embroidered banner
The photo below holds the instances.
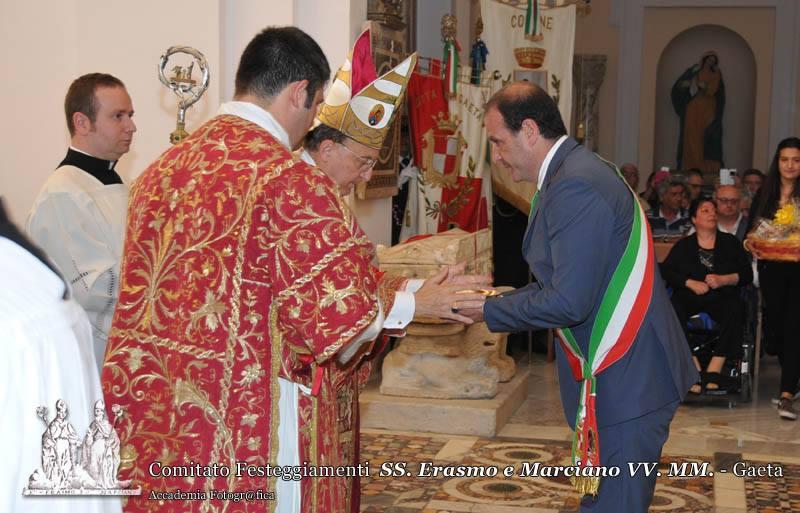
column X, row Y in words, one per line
column 447, row 188
column 467, row 204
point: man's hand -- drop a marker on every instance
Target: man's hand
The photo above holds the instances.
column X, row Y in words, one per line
column 472, row 309
column 698, row 287
column 456, row 276
column 440, row 297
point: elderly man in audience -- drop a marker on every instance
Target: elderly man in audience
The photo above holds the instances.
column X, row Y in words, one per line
column 729, row 211
column 631, row 174
column 671, row 217
column 694, row 183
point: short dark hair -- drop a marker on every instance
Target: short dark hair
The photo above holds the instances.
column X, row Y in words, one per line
column 524, row 100
column 81, row 96
column 752, row 171
column 694, row 171
column 278, row 56
column 322, row 132
column 673, row 181
column 694, row 206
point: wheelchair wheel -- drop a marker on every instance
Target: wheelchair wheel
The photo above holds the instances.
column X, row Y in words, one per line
column 745, row 374
column 746, row 393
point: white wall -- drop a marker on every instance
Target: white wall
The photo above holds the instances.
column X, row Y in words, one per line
column 45, row 51
column 240, row 20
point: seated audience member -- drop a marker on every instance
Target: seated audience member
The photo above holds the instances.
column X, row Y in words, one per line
column 670, row 218
column 729, row 211
column 705, row 271
column 694, row 183
column 650, row 194
column 631, row 174
column 752, row 180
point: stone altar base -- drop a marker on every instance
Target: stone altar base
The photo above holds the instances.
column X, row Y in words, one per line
column 447, row 361
column 481, row 417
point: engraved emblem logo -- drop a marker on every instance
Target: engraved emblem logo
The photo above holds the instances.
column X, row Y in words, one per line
column 78, row 466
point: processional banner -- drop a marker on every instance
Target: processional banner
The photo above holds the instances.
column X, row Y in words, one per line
column 467, row 205
column 545, row 59
column 447, row 189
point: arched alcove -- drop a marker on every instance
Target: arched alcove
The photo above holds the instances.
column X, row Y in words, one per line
column 739, row 70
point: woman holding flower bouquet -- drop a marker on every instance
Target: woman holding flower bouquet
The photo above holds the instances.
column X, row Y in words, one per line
column 779, row 201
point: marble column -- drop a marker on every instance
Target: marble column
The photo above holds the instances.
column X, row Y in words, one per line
column 588, row 72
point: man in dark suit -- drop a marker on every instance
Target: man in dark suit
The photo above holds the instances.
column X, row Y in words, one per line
column 588, row 244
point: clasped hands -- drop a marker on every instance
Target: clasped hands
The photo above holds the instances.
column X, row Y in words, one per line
column 451, row 294
column 712, row 281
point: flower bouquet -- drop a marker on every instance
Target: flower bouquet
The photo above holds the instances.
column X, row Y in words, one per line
column 779, row 238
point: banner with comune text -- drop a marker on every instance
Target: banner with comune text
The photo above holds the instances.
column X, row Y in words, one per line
column 544, row 58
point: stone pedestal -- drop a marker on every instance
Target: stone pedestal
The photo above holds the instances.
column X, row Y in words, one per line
column 447, row 361
column 476, row 417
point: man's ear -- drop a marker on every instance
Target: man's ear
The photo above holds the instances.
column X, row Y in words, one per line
column 298, row 93
column 530, row 129
column 82, row 123
column 326, row 148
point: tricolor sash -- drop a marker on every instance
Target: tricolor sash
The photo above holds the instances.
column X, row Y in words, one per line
column 451, row 49
column 532, row 29
column 622, row 310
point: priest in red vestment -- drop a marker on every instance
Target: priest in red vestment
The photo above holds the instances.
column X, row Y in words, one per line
column 244, row 274
column 354, row 120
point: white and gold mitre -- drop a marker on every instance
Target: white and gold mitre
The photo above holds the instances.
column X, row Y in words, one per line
column 365, row 113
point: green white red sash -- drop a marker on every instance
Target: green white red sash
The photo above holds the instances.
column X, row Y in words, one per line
column 622, row 310
column 451, row 49
column 532, row 29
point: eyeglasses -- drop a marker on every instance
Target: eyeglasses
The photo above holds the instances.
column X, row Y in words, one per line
column 366, row 162
column 728, row 201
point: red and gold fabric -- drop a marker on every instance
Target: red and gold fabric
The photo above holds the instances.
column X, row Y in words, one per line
column 329, row 419
column 241, row 265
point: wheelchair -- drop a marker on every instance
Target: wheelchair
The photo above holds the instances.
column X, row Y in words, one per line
column 738, row 373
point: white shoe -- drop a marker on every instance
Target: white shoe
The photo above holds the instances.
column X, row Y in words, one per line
column 786, row 410
column 776, row 400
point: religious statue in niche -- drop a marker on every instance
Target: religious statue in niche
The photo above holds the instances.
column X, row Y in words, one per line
column 698, row 97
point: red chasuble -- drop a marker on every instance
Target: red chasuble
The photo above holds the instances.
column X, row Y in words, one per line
column 329, row 420
column 241, row 265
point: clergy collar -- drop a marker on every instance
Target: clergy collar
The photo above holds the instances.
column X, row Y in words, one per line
column 101, row 169
column 255, row 114
column 547, row 159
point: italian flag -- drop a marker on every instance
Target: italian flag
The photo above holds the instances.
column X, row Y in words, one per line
column 532, row 30
column 451, row 49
